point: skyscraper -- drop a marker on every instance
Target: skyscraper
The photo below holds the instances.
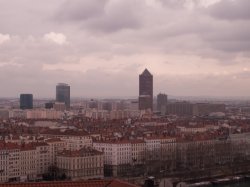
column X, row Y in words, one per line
column 26, row 101
column 146, row 90
column 63, row 94
column 162, row 100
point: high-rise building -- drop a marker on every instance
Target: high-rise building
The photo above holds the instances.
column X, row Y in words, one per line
column 180, row 108
column 162, row 100
column 63, row 94
column 26, row 101
column 146, row 90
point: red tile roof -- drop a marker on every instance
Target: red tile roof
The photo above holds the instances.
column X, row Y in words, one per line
column 89, row 183
column 8, row 146
column 84, row 152
column 53, row 140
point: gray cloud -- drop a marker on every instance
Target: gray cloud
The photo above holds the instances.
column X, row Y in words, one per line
column 106, row 16
column 98, row 83
column 30, row 51
column 93, row 83
column 231, row 10
column 100, row 47
column 205, row 85
column 173, row 3
column 79, row 10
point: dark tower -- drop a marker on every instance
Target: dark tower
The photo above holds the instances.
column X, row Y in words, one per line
column 146, row 90
column 26, row 101
column 162, row 100
column 63, row 94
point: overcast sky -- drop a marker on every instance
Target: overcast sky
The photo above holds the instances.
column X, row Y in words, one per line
column 99, row 47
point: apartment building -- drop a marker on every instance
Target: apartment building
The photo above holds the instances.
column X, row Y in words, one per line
column 10, row 162
column 43, row 157
column 85, row 163
column 4, row 160
column 121, row 155
column 138, row 151
column 190, row 152
column 56, row 145
column 43, row 114
column 117, row 156
column 28, row 162
column 161, row 148
column 75, row 140
column 112, row 114
column 192, row 129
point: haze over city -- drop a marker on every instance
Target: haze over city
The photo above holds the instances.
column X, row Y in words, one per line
column 193, row 48
column 124, row 93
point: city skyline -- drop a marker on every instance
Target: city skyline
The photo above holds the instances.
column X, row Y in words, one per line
column 193, row 48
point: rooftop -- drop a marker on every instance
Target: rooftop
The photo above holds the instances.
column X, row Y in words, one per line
column 84, row 152
column 62, row 84
column 146, row 73
column 89, row 183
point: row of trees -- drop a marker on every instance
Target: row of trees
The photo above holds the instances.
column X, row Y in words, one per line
column 182, row 157
column 195, row 156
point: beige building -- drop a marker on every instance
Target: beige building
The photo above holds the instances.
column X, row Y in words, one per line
column 192, row 129
column 44, row 114
column 85, row 163
column 160, row 148
column 75, row 140
column 43, row 157
column 59, row 106
column 9, row 162
column 3, row 164
column 138, row 151
column 121, row 156
column 56, row 146
column 113, row 114
column 28, row 162
column 24, row 162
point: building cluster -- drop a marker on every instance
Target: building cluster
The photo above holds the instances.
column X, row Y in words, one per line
column 30, row 159
column 118, row 138
column 80, row 148
column 31, row 114
column 110, row 115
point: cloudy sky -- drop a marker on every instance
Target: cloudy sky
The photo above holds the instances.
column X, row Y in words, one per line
column 99, row 47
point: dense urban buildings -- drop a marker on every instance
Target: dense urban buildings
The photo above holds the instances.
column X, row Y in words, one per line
column 26, row 101
column 146, row 90
column 89, row 142
column 123, row 138
column 63, row 94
